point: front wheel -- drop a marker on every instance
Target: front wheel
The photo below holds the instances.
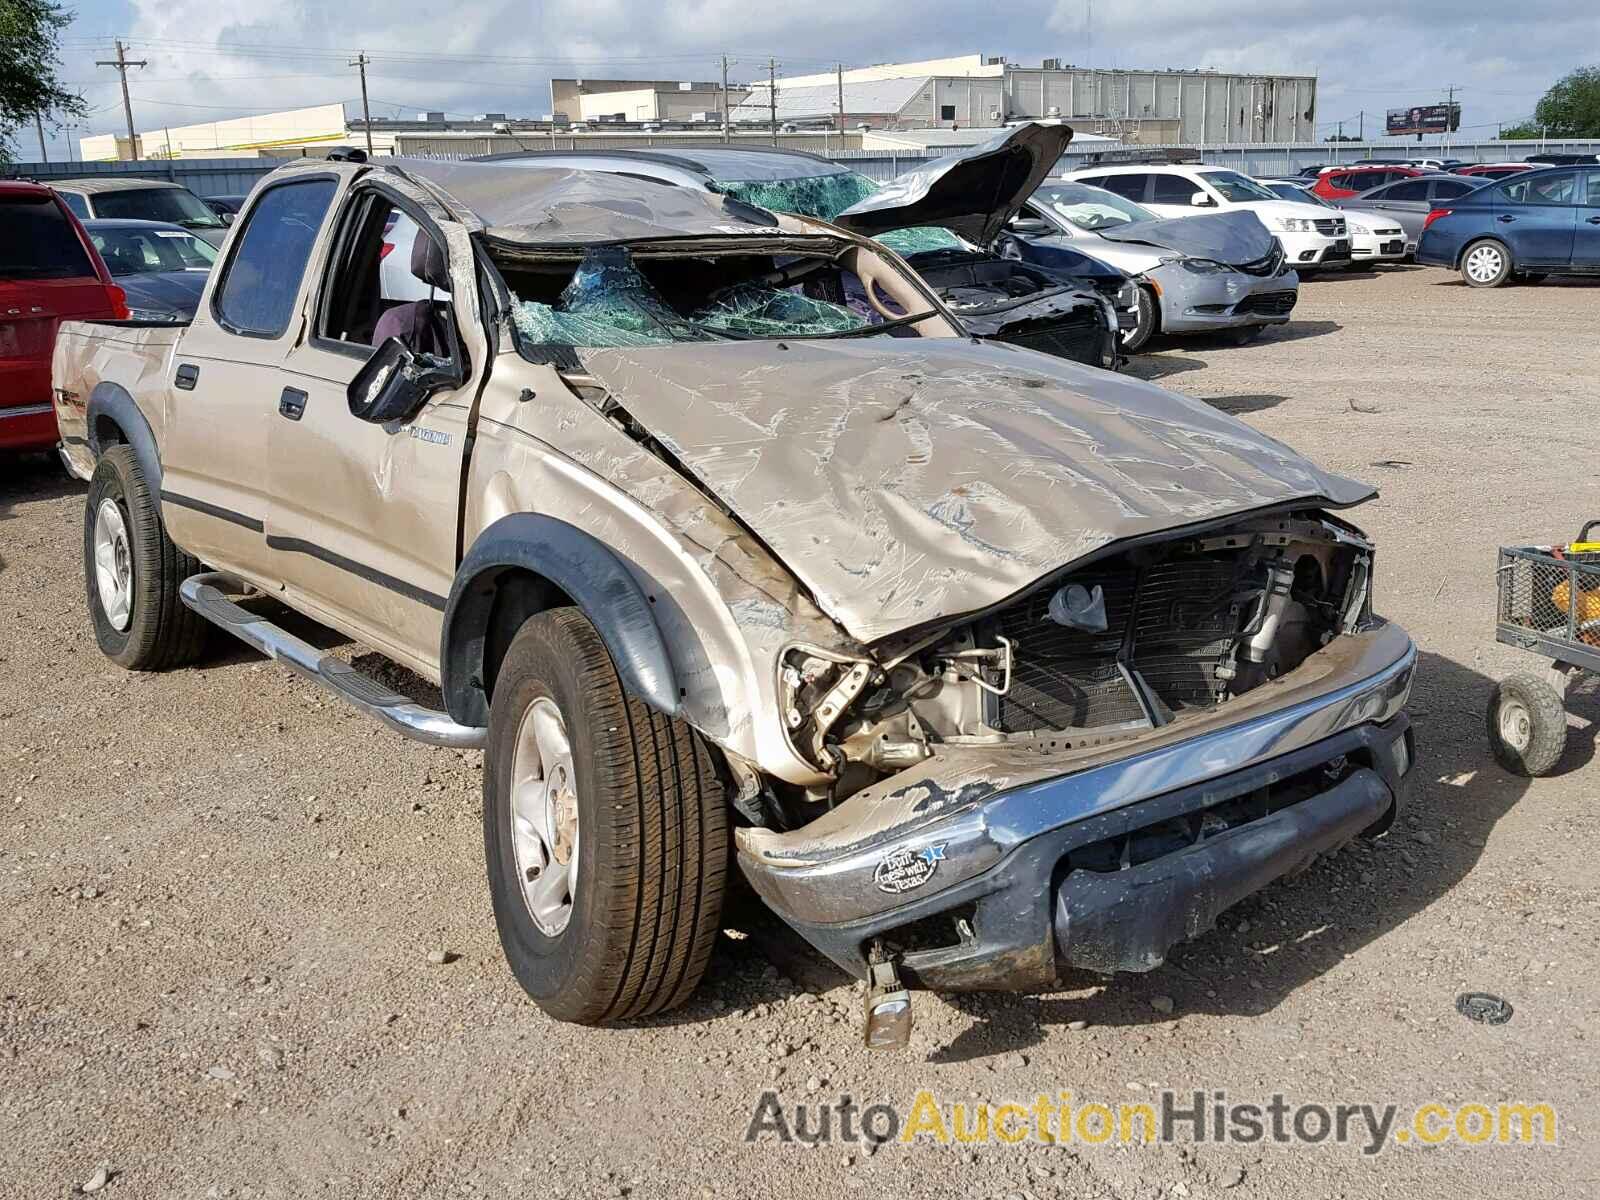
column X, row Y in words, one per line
column 132, row 571
column 1144, row 328
column 605, row 832
column 1527, row 725
column 1485, row 264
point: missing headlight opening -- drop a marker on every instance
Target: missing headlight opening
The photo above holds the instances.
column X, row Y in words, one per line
column 1133, row 642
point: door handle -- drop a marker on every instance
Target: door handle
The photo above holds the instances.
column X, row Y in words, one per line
column 1505, row 218
column 1593, row 220
column 292, row 404
column 186, row 376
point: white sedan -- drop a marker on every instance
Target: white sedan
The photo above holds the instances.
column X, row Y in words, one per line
column 1373, row 237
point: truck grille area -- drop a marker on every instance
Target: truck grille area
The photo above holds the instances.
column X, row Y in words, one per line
column 1167, row 627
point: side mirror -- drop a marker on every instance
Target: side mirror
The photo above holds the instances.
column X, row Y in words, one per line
column 396, row 383
column 1030, row 227
column 1201, row 200
column 229, row 218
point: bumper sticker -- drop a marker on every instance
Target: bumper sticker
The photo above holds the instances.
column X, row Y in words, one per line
column 906, row 869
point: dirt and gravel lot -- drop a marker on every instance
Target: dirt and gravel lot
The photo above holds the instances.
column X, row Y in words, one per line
column 219, row 890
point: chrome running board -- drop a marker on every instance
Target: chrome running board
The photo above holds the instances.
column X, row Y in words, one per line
column 205, row 594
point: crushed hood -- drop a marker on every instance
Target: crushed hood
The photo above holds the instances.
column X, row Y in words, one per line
column 1225, row 237
column 909, row 481
column 972, row 193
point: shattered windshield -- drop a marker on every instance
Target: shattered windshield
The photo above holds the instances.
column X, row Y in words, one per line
column 1088, row 207
column 825, row 197
column 822, row 196
column 609, row 302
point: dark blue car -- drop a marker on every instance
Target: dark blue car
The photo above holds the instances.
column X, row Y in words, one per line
column 1528, row 226
column 162, row 267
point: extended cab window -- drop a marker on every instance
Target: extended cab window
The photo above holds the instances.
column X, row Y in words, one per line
column 269, row 258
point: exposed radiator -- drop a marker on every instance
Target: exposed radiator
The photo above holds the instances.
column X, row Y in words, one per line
column 1177, row 623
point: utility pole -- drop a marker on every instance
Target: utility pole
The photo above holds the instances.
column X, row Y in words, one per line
column 360, row 62
column 724, row 97
column 772, row 97
column 38, row 124
column 1449, row 112
column 122, row 63
column 1361, row 128
column 841, row 105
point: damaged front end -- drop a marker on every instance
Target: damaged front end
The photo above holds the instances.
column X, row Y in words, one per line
column 1093, row 771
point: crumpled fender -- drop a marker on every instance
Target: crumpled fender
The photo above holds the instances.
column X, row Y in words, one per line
column 582, row 567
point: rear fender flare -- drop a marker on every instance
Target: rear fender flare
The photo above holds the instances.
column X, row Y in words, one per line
column 111, row 401
column 588, row 573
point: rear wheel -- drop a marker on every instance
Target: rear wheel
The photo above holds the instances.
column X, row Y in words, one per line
column 132, row 571
column 1485, row 264
column 1149, row 320
column 605, row 832
column 1527, row 725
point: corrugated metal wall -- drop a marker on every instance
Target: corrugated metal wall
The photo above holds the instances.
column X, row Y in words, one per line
column 231, row 176
column 202, row 176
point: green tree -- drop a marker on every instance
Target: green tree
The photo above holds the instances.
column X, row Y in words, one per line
column 1571, row 109
column 30, row 31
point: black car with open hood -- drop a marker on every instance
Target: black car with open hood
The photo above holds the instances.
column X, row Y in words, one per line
column 973, row 194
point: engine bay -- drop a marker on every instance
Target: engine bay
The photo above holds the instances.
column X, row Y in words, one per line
column 1135, row 641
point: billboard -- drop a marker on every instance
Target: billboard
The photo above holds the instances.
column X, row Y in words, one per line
column 1425, row 118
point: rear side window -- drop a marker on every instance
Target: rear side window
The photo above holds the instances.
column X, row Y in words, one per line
column 1415, row 189
column 1129, row 187
column 1173, row 189
column 1593, row 200
column 1559, row 188
column 37, row 241
column 263, row 274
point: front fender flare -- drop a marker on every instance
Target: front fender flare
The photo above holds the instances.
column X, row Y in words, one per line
column 582, row 567
column 112, row 401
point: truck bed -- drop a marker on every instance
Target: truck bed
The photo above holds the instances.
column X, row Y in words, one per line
column 133, row 356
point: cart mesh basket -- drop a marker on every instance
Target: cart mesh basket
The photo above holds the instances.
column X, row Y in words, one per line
column 1549, row 599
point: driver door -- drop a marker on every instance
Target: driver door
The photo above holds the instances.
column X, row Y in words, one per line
column 363, row 526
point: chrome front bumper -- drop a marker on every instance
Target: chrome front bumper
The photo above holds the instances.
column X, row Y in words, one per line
column 953, row 832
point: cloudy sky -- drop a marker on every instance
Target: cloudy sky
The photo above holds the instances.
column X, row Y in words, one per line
column 479, row 55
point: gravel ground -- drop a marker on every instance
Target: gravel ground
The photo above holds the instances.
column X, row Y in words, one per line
column 219, row 889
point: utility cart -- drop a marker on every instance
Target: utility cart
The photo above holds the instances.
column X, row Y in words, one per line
column 1549, row 603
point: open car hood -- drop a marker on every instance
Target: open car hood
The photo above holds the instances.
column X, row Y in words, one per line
column 908, row 481
column 1225, row 237
column 972, row 193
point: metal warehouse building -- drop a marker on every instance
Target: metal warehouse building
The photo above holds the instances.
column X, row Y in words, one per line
column 1153, row 107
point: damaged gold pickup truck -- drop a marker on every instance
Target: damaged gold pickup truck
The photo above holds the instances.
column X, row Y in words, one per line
column 735, row 553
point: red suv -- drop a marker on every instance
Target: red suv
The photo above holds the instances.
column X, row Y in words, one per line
column 1352, row 181
column 49, row 273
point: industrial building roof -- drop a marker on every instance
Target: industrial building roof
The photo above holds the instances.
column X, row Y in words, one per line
column 822, row 100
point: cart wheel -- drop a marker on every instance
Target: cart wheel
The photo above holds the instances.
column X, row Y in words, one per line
column 1527, row 725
